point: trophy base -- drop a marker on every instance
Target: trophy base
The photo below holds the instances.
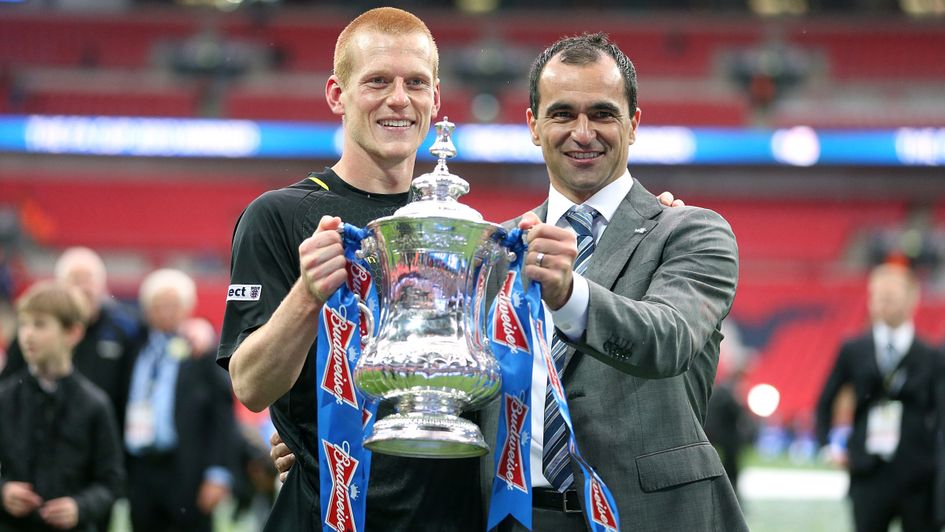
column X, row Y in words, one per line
column 426, row 436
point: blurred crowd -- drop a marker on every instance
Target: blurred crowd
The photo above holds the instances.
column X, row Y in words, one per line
column 173, row 443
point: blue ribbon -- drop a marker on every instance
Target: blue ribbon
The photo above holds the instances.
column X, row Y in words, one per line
column 600, row 506
column 510, row 334
column 344, row 413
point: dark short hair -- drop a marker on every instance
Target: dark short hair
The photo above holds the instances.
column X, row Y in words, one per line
column 582, row 50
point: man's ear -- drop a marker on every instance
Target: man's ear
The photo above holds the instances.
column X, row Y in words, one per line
column 333, row 91
column 74, row 335
column 436, row 99
column 634, row 122
column 532, row 126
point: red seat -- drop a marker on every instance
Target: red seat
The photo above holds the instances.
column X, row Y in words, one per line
column 799, row 230
column 275, row 105
column 111, row 40
column 169, row 102
column 124, row 212
column 889, row 51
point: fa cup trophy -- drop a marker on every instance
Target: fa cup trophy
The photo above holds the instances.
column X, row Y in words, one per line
column 430, row 355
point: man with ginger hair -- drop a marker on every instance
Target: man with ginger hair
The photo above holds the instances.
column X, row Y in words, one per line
column 386, row 90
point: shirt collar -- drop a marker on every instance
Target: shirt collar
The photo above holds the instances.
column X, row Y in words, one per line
column 49, row 387
column 901, row 337
column 605, row 201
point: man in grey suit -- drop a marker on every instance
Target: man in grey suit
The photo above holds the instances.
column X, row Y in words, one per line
column 640, row 326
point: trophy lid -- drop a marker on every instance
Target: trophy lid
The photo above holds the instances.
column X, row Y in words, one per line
column 436, row 193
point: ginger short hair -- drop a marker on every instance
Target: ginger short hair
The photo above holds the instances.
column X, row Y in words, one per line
column 384, row 20
column 59, row 301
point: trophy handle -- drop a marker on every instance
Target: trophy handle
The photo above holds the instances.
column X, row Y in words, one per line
column 368, row 316
column 368, row 248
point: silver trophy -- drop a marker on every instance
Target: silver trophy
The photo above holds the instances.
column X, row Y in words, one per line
column 430, row 356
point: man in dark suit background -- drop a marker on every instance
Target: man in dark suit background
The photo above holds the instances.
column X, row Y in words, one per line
column 641, row 324
column 180, row 432
column 897, row 383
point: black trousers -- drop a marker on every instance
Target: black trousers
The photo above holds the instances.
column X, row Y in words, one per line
column 158, row 502
column 295, row 507
column 544, row 520
column 883, row 495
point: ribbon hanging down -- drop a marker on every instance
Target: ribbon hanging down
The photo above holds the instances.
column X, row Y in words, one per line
column 510, row 334
column 509, row 496
column 344, row 413
column 600, row 508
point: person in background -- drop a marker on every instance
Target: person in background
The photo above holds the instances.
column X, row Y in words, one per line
column 254, row 488
column 60, row 454
column 897, row 383
column 105, row 354
column 254, row 482
column 7, row 316
column 180, row 432
column 728, row 424
column 637, row 293
column 201, row 335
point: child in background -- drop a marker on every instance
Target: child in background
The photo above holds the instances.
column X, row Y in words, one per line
column 60, row 456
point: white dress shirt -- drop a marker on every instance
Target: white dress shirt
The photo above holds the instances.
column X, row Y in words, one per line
column 900, row 338
column 571, row 318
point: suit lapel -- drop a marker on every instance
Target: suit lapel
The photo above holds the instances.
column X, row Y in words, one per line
column 633, row 220
column 873, row 352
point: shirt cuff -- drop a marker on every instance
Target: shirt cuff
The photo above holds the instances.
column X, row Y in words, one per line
column 218, row 475
column 571, row 318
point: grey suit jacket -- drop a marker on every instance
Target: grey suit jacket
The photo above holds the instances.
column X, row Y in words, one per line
column 638, row 381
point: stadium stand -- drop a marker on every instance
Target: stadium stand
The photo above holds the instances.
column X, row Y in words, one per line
column 801, row 287
column 268, row 104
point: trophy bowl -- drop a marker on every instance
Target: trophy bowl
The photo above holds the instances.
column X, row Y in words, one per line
column 430, row 356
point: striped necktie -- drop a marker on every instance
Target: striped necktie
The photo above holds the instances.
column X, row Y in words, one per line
column 888, row 359
column 555, row 459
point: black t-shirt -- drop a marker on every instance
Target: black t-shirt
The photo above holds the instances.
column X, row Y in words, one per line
column 404, row 493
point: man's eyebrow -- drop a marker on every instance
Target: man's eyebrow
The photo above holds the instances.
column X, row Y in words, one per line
column 377, row 73
column 598, row 106
column 558, row 106
column 606, row 106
